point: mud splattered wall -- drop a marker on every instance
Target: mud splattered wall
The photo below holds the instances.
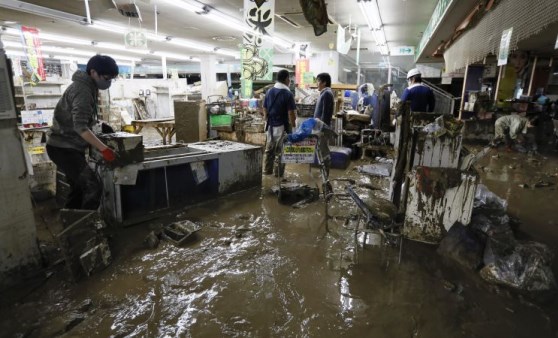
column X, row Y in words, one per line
column 18, row 246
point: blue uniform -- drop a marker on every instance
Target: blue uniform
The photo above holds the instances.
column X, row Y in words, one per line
column 278, row 102
column 421, row 97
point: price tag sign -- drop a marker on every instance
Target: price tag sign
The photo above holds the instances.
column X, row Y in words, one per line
column 299, row 152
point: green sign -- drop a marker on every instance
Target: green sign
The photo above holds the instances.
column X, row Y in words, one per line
column 308, row 78
column 435, row 19
column 247, row 88
column 402, row 50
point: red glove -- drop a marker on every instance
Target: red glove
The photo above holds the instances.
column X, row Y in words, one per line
column 108, row 154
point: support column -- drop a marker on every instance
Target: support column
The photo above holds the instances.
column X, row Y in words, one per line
column 463, row 91
column 208, row 74
column 19, row 254
column 164, row 67
column 529, row 91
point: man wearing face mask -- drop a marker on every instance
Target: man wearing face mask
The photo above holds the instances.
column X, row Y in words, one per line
column 70, row 134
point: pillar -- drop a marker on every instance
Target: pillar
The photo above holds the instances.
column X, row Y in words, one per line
column 208, row 70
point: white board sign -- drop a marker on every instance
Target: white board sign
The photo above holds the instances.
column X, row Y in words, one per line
column 299, row 152
column 505, row 47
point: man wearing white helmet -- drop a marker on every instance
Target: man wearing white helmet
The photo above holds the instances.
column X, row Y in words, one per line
column 421, row 97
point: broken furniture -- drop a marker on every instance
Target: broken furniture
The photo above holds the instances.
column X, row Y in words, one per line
column 177, row 176
column 427, row 184
column 82, row 242
column 165, row 127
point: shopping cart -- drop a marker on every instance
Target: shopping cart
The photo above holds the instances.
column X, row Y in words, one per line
column 370, row 223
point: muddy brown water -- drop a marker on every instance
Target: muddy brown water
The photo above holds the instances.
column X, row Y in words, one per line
column 261, row 269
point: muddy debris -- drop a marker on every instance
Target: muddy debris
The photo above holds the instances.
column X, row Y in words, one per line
column 464, row 246
column 291, row 193
column 152, row 240
column 543, row 184
column 85, row 306
column 179, row 233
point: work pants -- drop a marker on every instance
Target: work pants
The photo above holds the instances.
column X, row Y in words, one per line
column 85, row 189
column 273, row 135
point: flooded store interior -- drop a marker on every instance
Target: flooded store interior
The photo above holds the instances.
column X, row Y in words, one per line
column 340, row 178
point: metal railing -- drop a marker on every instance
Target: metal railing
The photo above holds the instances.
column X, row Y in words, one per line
column 445, row 102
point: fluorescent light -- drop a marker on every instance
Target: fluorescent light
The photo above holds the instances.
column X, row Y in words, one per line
column 15, row 52
column 105, row 26
column 80, row 52
column 192, row 7
column 380, row 37
column 66, row 39
column 228, row 21
column 232, row 53
column 176, row 56
column 384, row 50
column 42, row 11
column 371, row 14
column 282, row 42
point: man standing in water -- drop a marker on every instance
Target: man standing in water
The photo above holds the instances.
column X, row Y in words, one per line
column 279, row 113
column 70, row 134
column 325, row 105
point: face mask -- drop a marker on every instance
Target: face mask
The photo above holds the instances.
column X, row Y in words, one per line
column 103, row 84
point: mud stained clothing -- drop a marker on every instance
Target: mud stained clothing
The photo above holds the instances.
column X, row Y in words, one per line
column 324, row 106
column 85, row 191
column 278, row 102
column 510, row 125
column 75, row 113
column 421, row 97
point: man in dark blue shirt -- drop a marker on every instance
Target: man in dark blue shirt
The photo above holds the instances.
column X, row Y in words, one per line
column 279, row 112
column 324, row 106
column 421, row 97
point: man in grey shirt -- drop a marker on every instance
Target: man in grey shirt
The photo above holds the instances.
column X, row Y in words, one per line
column 70, row 134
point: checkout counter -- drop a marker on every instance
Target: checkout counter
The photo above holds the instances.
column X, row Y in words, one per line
column 148, row 181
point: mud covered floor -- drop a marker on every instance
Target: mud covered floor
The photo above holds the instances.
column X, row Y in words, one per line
column 261, row 269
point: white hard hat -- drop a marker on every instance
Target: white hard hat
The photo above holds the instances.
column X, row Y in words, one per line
column 413, row 72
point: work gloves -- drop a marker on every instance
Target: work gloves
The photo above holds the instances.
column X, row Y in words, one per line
column 108, row 154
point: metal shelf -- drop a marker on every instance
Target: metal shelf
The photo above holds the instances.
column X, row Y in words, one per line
column 43, row 95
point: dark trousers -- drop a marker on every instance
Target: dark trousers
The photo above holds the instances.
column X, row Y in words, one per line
column 85, row 190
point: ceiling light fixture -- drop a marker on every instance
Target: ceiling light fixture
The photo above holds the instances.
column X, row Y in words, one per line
column 371, row 12
column 71, row 51
column 217, row 16
column 287, row 20
column 42, row 11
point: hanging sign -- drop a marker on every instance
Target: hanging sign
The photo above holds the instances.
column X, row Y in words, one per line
column 32, row 43
column 299, row 152
column 257, row 48
column 135, row 39
column 402, row 51
column 505, row 47
column 302, row 66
